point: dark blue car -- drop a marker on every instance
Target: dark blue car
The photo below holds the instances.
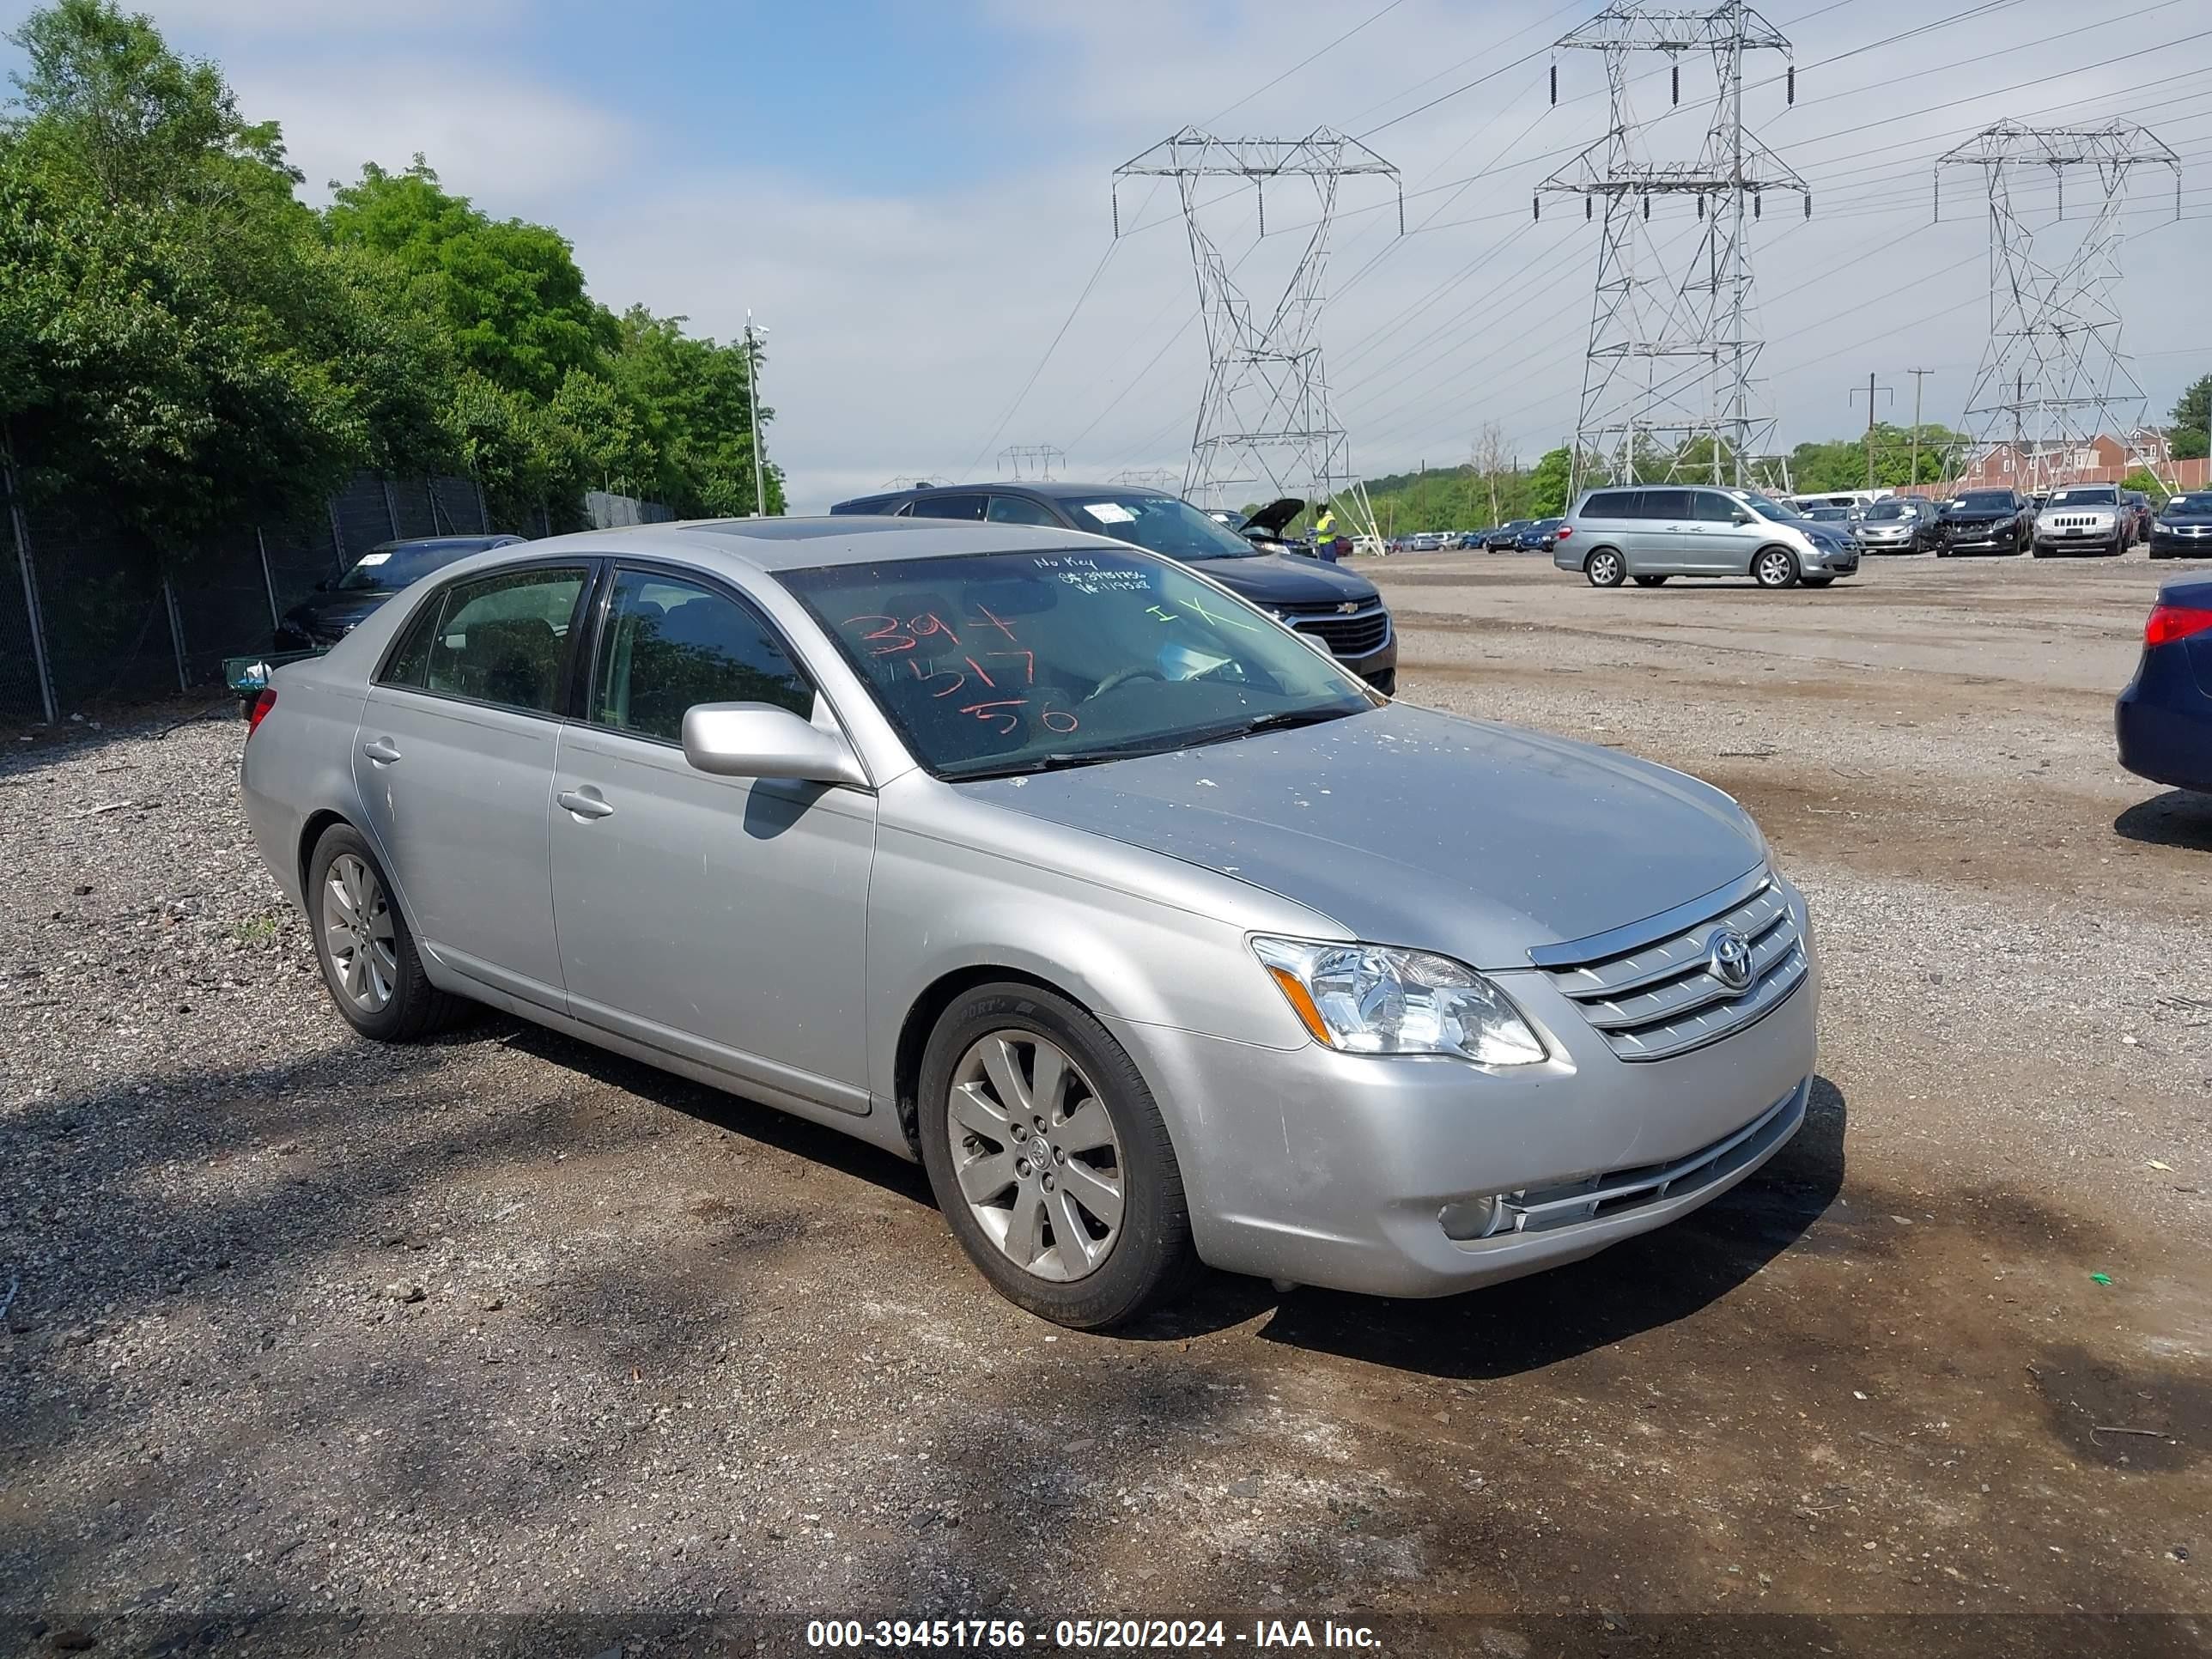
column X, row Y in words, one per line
column 2165, row 716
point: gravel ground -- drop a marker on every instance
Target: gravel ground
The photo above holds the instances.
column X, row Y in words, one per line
column 500, row 1343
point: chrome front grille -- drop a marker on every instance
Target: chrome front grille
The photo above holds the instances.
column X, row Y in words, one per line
column 2080, row 522
column 1359, row 635
column 1664, row 998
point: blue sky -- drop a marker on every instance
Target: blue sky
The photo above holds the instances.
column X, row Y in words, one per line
column 911, row 196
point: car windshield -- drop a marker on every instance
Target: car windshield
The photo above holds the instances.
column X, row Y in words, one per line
column 1828, row 514
column 2091, row 496
column 1160, row 524
column 388, row 568
column 1887, row 510
column 995, row 664
column 2190, row 507
column 1984, row 501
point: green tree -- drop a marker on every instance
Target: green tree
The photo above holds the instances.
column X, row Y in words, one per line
column 2191, row 432
column 173, row 336
column 1549, row 481
column 509, row 295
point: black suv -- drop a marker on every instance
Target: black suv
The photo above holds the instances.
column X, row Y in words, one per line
column 339, row 606
column 1986, row 521
column 1341, row 610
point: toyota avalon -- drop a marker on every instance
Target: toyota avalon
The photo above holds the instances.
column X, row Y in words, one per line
column 1154, row 935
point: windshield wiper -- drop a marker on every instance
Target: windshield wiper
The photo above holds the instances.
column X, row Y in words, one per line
column 1284, row 721
column 1063, row 760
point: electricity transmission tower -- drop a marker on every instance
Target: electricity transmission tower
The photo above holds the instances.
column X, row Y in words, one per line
column 1036, row 461
column 1671, row 348
column 1147, row 478
column 1264, row 422
column 2053, row 377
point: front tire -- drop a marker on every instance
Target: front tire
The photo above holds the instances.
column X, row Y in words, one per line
column 1815, row 581
column 370, row 965
column 1651, row 581
column 1050, row 1159
column 1604, row 568
column 1775, row 567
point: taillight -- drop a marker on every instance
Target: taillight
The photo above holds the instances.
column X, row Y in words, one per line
column 2169, row 623
column 1563, row 533
column 261, row 705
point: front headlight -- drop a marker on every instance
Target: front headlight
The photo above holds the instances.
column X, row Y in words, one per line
column 1373, row 999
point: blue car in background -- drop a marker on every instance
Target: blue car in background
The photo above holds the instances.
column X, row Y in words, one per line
column 2164, row 718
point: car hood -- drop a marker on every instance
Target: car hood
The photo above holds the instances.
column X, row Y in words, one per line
column 1413, row 827
column 1279, row 579
column 334, row 612
column 1272, row 517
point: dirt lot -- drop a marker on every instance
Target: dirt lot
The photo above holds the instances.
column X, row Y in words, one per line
column 505, row 1343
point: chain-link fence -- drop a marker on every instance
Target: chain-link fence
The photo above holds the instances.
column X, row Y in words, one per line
column 88, row 611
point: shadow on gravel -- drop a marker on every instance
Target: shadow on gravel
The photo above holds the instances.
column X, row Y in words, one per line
column 1529, row 1323
column 2177, row 818
column 719, row 1109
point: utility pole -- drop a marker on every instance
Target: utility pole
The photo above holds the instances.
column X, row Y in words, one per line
column 1919, row 377
column 1871, row 388
column 760, row 487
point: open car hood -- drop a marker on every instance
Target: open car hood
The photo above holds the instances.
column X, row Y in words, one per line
column 1272, row 517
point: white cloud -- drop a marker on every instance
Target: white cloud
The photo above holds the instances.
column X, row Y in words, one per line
column 519, row 146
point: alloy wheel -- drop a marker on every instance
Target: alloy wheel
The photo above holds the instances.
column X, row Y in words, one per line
column 1775, row 569
column 1037, row 1155
column 358, row 934
column 1605, row 568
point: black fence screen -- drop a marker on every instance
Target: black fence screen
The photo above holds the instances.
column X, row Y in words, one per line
column 117, row 624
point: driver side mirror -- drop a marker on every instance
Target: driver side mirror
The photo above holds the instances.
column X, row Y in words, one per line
column 1741, row 515
column 760, row 740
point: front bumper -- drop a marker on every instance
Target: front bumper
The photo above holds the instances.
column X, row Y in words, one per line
column 1330, row 1169
column 2165, row 544
column 1883, row 541
column 2101, row 538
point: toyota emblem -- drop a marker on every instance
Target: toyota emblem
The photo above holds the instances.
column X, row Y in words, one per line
column 1729, row 954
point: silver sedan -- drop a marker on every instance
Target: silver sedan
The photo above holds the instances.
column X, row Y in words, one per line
column 1155, row 935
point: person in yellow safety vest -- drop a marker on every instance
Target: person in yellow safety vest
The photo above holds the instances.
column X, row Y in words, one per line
column 1324, row 529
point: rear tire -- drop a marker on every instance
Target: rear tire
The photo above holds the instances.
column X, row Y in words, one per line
column 1774, row 567
column 364, row 947
column 1604, row 567
column 1131, row 1212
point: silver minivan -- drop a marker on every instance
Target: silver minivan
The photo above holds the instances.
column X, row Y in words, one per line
column 1653, row 532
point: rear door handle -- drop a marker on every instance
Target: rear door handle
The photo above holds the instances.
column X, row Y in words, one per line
column 382, row 751
column 585, row 803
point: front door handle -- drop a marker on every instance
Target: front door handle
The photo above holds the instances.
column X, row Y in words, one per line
column 585, row 803
column 382, row 751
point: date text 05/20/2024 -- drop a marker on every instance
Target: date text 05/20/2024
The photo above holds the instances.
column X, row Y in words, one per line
column 1086, row 1635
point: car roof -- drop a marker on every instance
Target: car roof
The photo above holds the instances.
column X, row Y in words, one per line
column 774, row 544
column 480, row 540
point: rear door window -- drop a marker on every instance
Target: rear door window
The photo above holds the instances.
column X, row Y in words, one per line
column 499, row 639
column 1673, row 505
